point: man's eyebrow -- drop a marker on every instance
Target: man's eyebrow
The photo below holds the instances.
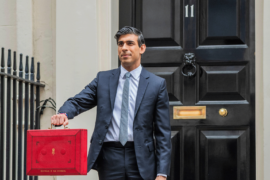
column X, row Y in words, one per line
column 125, row 41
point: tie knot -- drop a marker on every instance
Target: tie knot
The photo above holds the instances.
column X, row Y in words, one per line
column 127, row 74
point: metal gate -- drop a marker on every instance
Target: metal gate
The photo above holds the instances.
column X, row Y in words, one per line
column 19, row 99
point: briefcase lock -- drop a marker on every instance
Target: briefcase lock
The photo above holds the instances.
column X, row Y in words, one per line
column 65, row 127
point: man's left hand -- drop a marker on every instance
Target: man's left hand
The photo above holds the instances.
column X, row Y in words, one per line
column 161, row 178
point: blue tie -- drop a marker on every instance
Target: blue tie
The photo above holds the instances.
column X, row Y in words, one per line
column 123, row 134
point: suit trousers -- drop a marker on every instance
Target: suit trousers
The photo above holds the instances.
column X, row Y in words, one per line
column 118, row 162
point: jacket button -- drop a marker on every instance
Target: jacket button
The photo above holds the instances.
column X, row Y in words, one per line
column 100, row 141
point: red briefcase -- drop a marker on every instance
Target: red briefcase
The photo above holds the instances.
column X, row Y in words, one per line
column 57, row 152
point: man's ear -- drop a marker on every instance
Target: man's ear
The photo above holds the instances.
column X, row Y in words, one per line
column 143, row 48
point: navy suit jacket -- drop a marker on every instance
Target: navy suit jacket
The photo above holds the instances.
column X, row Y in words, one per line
column 151, row 117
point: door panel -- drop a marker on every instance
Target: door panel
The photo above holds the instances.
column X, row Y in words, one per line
column 164, row 17
column 176, row 159
column 223, row 154
column 222, row 83
column 172, row 77
column 162, row 27
column 222, row 22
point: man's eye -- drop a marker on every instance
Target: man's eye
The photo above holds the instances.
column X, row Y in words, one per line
column 120, row 44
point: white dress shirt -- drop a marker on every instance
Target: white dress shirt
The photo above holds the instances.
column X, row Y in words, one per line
column 114, row 128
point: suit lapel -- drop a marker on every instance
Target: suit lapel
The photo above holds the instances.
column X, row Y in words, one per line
column 114, row 78
column 143, row 83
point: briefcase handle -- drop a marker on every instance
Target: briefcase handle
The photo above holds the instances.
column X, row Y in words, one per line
column 65, row 127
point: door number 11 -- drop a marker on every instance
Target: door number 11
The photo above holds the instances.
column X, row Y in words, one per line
column 191, row 10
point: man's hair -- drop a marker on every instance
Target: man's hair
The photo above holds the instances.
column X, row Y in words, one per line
column 130, row 30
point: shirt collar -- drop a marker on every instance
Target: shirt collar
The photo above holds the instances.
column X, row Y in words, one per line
column 135, row 72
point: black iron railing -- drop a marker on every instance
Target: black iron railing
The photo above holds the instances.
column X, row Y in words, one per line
column 12, row 151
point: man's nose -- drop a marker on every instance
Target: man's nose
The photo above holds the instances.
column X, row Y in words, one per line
column 124, row 46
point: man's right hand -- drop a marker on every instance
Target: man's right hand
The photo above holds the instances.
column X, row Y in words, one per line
column 59, row 119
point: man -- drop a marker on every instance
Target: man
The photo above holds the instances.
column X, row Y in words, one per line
column 132, row 106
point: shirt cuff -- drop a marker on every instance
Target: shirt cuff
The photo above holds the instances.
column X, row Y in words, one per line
column 164, row 175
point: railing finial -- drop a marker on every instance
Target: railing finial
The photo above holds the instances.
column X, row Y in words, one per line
column 21, row 66
column 26, row 68
column 3, row 60
column 38, row 72
column 32, row 71
column 9, row 62
column 14, row 64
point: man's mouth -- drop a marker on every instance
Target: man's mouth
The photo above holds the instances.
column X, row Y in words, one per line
column 125, row 55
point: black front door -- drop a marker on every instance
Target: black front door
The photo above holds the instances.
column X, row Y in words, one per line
column 205, row 51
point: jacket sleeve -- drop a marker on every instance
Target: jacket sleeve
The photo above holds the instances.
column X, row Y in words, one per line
column 163, row 131
column 81, row 102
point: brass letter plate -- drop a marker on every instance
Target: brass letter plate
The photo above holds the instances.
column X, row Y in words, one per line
column 189, row 112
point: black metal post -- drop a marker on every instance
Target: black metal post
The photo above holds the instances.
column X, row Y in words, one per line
column 2, row 116
column 32, row 100
column 26, row 113
column 38, row 96
column 8, row 117
column 14, row 129
column 37, row 102
column 20, row 119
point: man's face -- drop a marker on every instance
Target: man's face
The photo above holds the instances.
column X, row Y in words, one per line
column 129, row 51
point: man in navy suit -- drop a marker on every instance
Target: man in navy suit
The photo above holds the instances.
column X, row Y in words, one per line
column 131, row 139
